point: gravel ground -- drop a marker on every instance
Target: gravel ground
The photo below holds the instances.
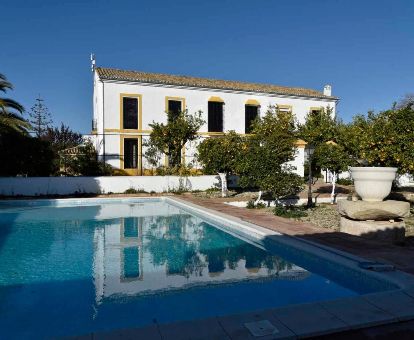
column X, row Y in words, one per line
column 211, row 194
column 324, row 215
column 409, row 224
column 246, row 195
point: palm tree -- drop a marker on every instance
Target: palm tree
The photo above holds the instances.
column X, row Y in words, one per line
column 10, row 110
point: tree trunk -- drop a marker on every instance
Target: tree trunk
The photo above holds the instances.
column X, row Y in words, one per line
column 223, row 180
column 258, row 198
column 333, row 187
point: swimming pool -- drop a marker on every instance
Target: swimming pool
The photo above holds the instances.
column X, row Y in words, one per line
column 72, row 267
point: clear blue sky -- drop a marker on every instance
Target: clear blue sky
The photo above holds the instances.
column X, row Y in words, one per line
column 365, row 49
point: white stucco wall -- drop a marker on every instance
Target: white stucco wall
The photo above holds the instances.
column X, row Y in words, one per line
column 153, row 103
column 35, row 186
column 299, row 162
column 107, row 112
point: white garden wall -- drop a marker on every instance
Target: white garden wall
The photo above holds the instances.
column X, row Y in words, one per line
column 35, row 186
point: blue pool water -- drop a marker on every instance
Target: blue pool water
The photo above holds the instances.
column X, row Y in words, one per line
column 74, row 269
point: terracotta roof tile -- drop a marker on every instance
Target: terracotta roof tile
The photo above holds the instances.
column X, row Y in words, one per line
column 167, row 79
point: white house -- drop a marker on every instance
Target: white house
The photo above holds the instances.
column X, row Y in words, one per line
column 126, row 102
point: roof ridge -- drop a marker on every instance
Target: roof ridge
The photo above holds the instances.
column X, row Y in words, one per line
column 193, row 81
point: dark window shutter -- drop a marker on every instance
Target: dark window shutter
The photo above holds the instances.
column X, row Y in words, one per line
column 174, row 107
column 215, row 117
column 251, row 113
column 130, row 153
column 130, row 112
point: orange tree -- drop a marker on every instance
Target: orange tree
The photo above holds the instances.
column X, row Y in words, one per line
column 318, row 128
column 170, row 138
column 333, row 157
column 382, row 139
column 264, row 161
column 221, row 155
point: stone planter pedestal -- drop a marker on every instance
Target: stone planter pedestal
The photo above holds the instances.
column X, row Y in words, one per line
column 374, row 220
column 386, row 231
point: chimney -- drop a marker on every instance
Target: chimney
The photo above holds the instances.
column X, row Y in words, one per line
column 327, row 90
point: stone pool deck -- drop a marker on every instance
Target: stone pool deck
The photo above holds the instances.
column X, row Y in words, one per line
column 347, row 318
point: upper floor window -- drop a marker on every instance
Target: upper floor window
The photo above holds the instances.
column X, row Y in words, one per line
column 215, row 116
column 284, row 108
column 130, row 112
column 174, row 107
column 251, row 113
column 315, row 110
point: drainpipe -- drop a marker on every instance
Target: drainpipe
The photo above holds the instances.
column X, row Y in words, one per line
column 103, row 120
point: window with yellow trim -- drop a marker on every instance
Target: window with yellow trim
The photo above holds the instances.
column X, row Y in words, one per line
column 215, row 116
column 130, row 153
column 174, row 107
column 130, row 112
column 251, row 112
column 284, row 108
column 315, row 110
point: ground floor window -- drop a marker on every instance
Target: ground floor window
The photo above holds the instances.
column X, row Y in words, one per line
column 131, row 227
column 130, row 153
column 174, row 162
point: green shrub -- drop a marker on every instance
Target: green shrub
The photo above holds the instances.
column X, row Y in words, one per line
column 135, row 191
column 260, row 205
column 289, row 211
column 252, row 205
column 345, row 181
column 212, row 190
column 178, row 191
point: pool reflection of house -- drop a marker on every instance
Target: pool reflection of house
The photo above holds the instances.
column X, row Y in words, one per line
column 152, row 254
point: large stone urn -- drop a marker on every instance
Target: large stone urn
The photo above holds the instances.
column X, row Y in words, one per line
column 373, row 184
column 372, row 217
